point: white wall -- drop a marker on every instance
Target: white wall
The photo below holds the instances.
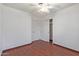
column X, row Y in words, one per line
column 45, row 30
column 16, row 27
column 40, row 28
column 0, row 30
column 66, row 27
column 35, row 30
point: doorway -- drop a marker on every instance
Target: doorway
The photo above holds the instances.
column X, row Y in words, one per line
column 50, row 31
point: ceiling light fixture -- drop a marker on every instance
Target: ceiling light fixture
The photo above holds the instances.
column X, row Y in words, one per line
column 44, row 7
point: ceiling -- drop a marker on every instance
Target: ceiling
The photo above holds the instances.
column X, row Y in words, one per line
column 34, row 10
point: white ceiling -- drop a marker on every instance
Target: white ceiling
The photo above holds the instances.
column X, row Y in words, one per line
column 34, row 10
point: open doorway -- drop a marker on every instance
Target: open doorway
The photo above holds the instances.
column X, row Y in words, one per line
column 50, row 30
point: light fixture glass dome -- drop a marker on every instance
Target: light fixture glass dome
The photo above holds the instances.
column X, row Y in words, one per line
column 44, row 7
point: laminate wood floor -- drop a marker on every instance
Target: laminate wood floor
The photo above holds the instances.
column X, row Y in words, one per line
column 39, row 48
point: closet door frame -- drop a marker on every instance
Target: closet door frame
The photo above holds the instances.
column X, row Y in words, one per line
column 50, row 30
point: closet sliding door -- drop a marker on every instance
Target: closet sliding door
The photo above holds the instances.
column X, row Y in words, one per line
column 15, row 27
column 0, row 29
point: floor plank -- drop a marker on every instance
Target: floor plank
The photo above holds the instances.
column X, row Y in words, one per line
column 40, row 48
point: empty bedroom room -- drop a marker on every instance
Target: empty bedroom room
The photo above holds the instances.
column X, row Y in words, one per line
column 39, row 29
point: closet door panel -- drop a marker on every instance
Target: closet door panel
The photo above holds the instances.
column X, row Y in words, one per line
column 0, row 28
column 14, row 28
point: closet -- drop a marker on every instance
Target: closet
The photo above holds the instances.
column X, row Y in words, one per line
column 16, row 27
